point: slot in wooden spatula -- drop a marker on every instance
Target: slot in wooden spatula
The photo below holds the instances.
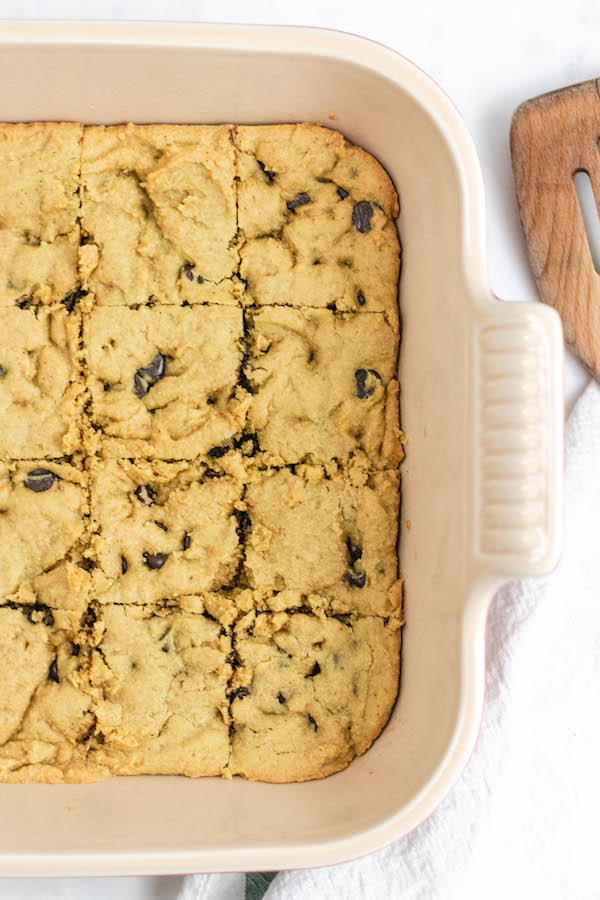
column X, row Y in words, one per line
column 552, row 138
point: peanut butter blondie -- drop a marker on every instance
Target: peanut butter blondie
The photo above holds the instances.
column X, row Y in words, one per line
column 199, row 451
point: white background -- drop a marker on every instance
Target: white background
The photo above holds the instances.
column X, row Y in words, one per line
column 489, row 57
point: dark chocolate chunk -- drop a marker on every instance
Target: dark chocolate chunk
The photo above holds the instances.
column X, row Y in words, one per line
column 270, row 176
column 75, row 648
column 161, row 525
column 2, row 372
column 48, row 618
column 155, row 560
column 366, row 382
column 88, row 618
column 199, row 279
column 243, row 522
column 312, row 723
column 53, row 671
column 242, row 442
column 324, row 180
column 354, row 551
column 124, row 565
column 316, row 670
column 281, row 698
column 145, row 494
column 362, row 215
column 186, row 541
column 165, row 648
column 299, row 200
column 356, row 579
column 188, row 271
column 361, row 299
column 146, row 377
column 316, row 262
column 242, row 692
column 106, row 386
column 210, row 400
column 342, row 193
column 212, row 473
column 218, row 452
column 39, row 480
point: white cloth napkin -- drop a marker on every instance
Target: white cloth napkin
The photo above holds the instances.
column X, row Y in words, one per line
column 523, row 820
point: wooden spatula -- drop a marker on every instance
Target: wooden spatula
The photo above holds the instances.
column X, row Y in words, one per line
column 552, row 138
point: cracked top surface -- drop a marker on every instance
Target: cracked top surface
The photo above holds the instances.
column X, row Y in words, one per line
column 41, row 387
column 310, row 693
column 163, row 530
column 316, row 216
column 159, row 678
column 189, row 404
column 158, row 206
column 320, row 535
column 39, row 209
column 325, row 385
column 42, row 521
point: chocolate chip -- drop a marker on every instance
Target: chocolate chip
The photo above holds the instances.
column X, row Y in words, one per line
column 234, row 659
column 199, row 279
column 88, row 618
column 186, row 541
column 53, row 672
column 316, row 670
column 299, row 200
column 281, row 698
column 332, row 307
column 361, row 299
column 356, row 579
column 210, row 400
column 155, row 560
column 270, row 176
column 124, row 565
column 243, row 522
column 165, row 648
column 312, row 723
column 145, row 494
column 342, row 193
column 242, row 442
column 218, row 452
column 354, row 551
column 188, row 271
column 2, row 372
column 366, row 382
column 39, row 480
column 212, row 473
column 106, row 387
column 324, row 180
column 161, row 525
column 147, row 377
column 361, row 216
column 75, row 648
column 242, row 692
column 48, row 618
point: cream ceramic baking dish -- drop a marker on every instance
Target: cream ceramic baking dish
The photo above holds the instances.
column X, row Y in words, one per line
column 481, row 403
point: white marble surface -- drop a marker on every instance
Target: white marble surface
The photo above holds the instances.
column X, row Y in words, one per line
column 489, row 57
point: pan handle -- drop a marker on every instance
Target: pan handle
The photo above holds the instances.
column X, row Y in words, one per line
column 519, row 422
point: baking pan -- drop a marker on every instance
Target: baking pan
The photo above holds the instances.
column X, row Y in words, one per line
column 482, row 407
